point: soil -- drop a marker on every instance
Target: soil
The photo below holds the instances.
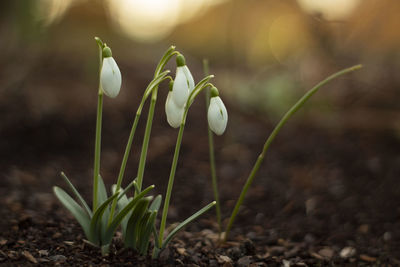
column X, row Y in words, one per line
column 322, row 197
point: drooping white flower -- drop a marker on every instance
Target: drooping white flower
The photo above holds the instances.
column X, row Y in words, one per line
column 183, row 83
column 110, row 76
column 174, row 113
column 217, row 115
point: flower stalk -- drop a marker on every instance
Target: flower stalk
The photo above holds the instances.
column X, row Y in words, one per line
column 211, row 150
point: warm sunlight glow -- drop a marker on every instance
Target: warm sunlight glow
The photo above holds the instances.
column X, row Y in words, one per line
column 330, row 9
column 49, row 11
column 151, row 20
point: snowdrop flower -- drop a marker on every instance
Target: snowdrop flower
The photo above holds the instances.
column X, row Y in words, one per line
column 217, row 115
column 174, row 113
column 110, row 76
column 183, row 83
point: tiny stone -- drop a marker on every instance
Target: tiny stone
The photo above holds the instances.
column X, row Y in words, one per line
column 181, row 251
column 69, row 243
column 286, row 263
column 326, row 252
column 58, row 258
column 57, row 235
column 29, row 256
column 387, row 236
column 244, row 261
column 347, row 252
column 223, row 259
column 43, row 252
column 367, row 258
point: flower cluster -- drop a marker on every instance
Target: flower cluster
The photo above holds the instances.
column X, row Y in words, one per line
column 179, row 95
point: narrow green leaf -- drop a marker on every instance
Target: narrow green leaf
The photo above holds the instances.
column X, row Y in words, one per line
column 101, row 198
column 121, row 215
column 146, row 232
column 80, row 198
column 140, row 231
column 80, row 215
column 131, row 233
column 95, row 221
column 121, row 203
column 102, row 191
column 186, row 222
column 155, row 205
column 123, row 193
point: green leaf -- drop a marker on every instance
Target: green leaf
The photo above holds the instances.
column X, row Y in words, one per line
column 123, row 193
column 101, row 198
column 146, row 233
column 121, row 215
column 140, row 230
column 80, row 198
column 130, row 236
column 95, row 227
column 186, row 222
column 102, row 195
column 121, row 204
column 80, row 215
column 155, row 205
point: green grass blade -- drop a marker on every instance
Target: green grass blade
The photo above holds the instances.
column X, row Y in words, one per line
column 80, row 198
column 186, row 222
column 80, row 215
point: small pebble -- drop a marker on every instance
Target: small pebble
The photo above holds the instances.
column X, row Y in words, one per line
column 347, row 252
column 244, row 261
column 387, row 236
column 326, row 252
column 58, row 258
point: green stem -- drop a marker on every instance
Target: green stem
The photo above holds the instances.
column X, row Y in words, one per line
column 158, row 78
column 146, row 139
column 272, row 136
column 124, row 161
column 212, row 156
column 97, row 146
column 97, row 149
column 171, row 180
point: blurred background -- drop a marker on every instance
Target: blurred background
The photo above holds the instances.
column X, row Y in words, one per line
column 265, row 54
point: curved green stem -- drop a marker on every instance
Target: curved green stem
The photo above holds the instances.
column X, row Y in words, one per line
column 153, row 86
column 212, row 157
column 97, row 146
column 171, row 180
column 146, row 139
column 272, row 136
column 197, row 89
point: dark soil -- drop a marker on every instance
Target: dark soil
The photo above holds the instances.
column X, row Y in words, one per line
column 322, row 198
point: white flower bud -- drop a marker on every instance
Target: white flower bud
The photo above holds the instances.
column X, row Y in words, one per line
column 217, row 115
column 174, row 113
column 110, row 77
column 183, row 85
